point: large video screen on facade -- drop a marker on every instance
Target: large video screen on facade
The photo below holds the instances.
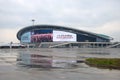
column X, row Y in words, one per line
column 37, row 36
column 41, row 36
column 26, row 37
column 63, row 36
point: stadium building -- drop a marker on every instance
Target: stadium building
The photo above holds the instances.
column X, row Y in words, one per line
column 52, row 33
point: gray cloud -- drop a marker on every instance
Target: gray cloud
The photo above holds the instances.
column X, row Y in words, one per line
column 74, row 13
column 82, row 12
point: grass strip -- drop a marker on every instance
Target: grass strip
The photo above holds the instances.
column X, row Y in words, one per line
column 110, row 63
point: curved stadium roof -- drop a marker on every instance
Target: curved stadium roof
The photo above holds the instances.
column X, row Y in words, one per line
column 54, row 27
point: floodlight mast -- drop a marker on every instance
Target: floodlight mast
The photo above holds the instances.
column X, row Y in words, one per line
column 33, row 21
column 33, row 31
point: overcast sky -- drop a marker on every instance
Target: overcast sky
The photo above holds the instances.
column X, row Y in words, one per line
column 98, row 16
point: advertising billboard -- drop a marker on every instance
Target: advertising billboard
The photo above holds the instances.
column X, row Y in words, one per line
column 63, row 36
column 26, row 37
column 42, row 36
column 37, row 36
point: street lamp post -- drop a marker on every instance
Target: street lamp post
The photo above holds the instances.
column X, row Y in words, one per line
column 33, row 31
column 33, row 21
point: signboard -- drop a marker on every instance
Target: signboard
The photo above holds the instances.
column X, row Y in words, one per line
column 38, row 36
column 42, row 36
column 63, row 36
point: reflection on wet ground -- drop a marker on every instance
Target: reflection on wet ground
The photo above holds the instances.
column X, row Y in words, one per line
column 47, row 60
column 11, row 70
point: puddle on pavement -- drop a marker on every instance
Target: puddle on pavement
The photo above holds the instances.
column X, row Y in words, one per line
column 46, row 61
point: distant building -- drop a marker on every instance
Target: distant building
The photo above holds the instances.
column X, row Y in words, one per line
column 52, row 33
